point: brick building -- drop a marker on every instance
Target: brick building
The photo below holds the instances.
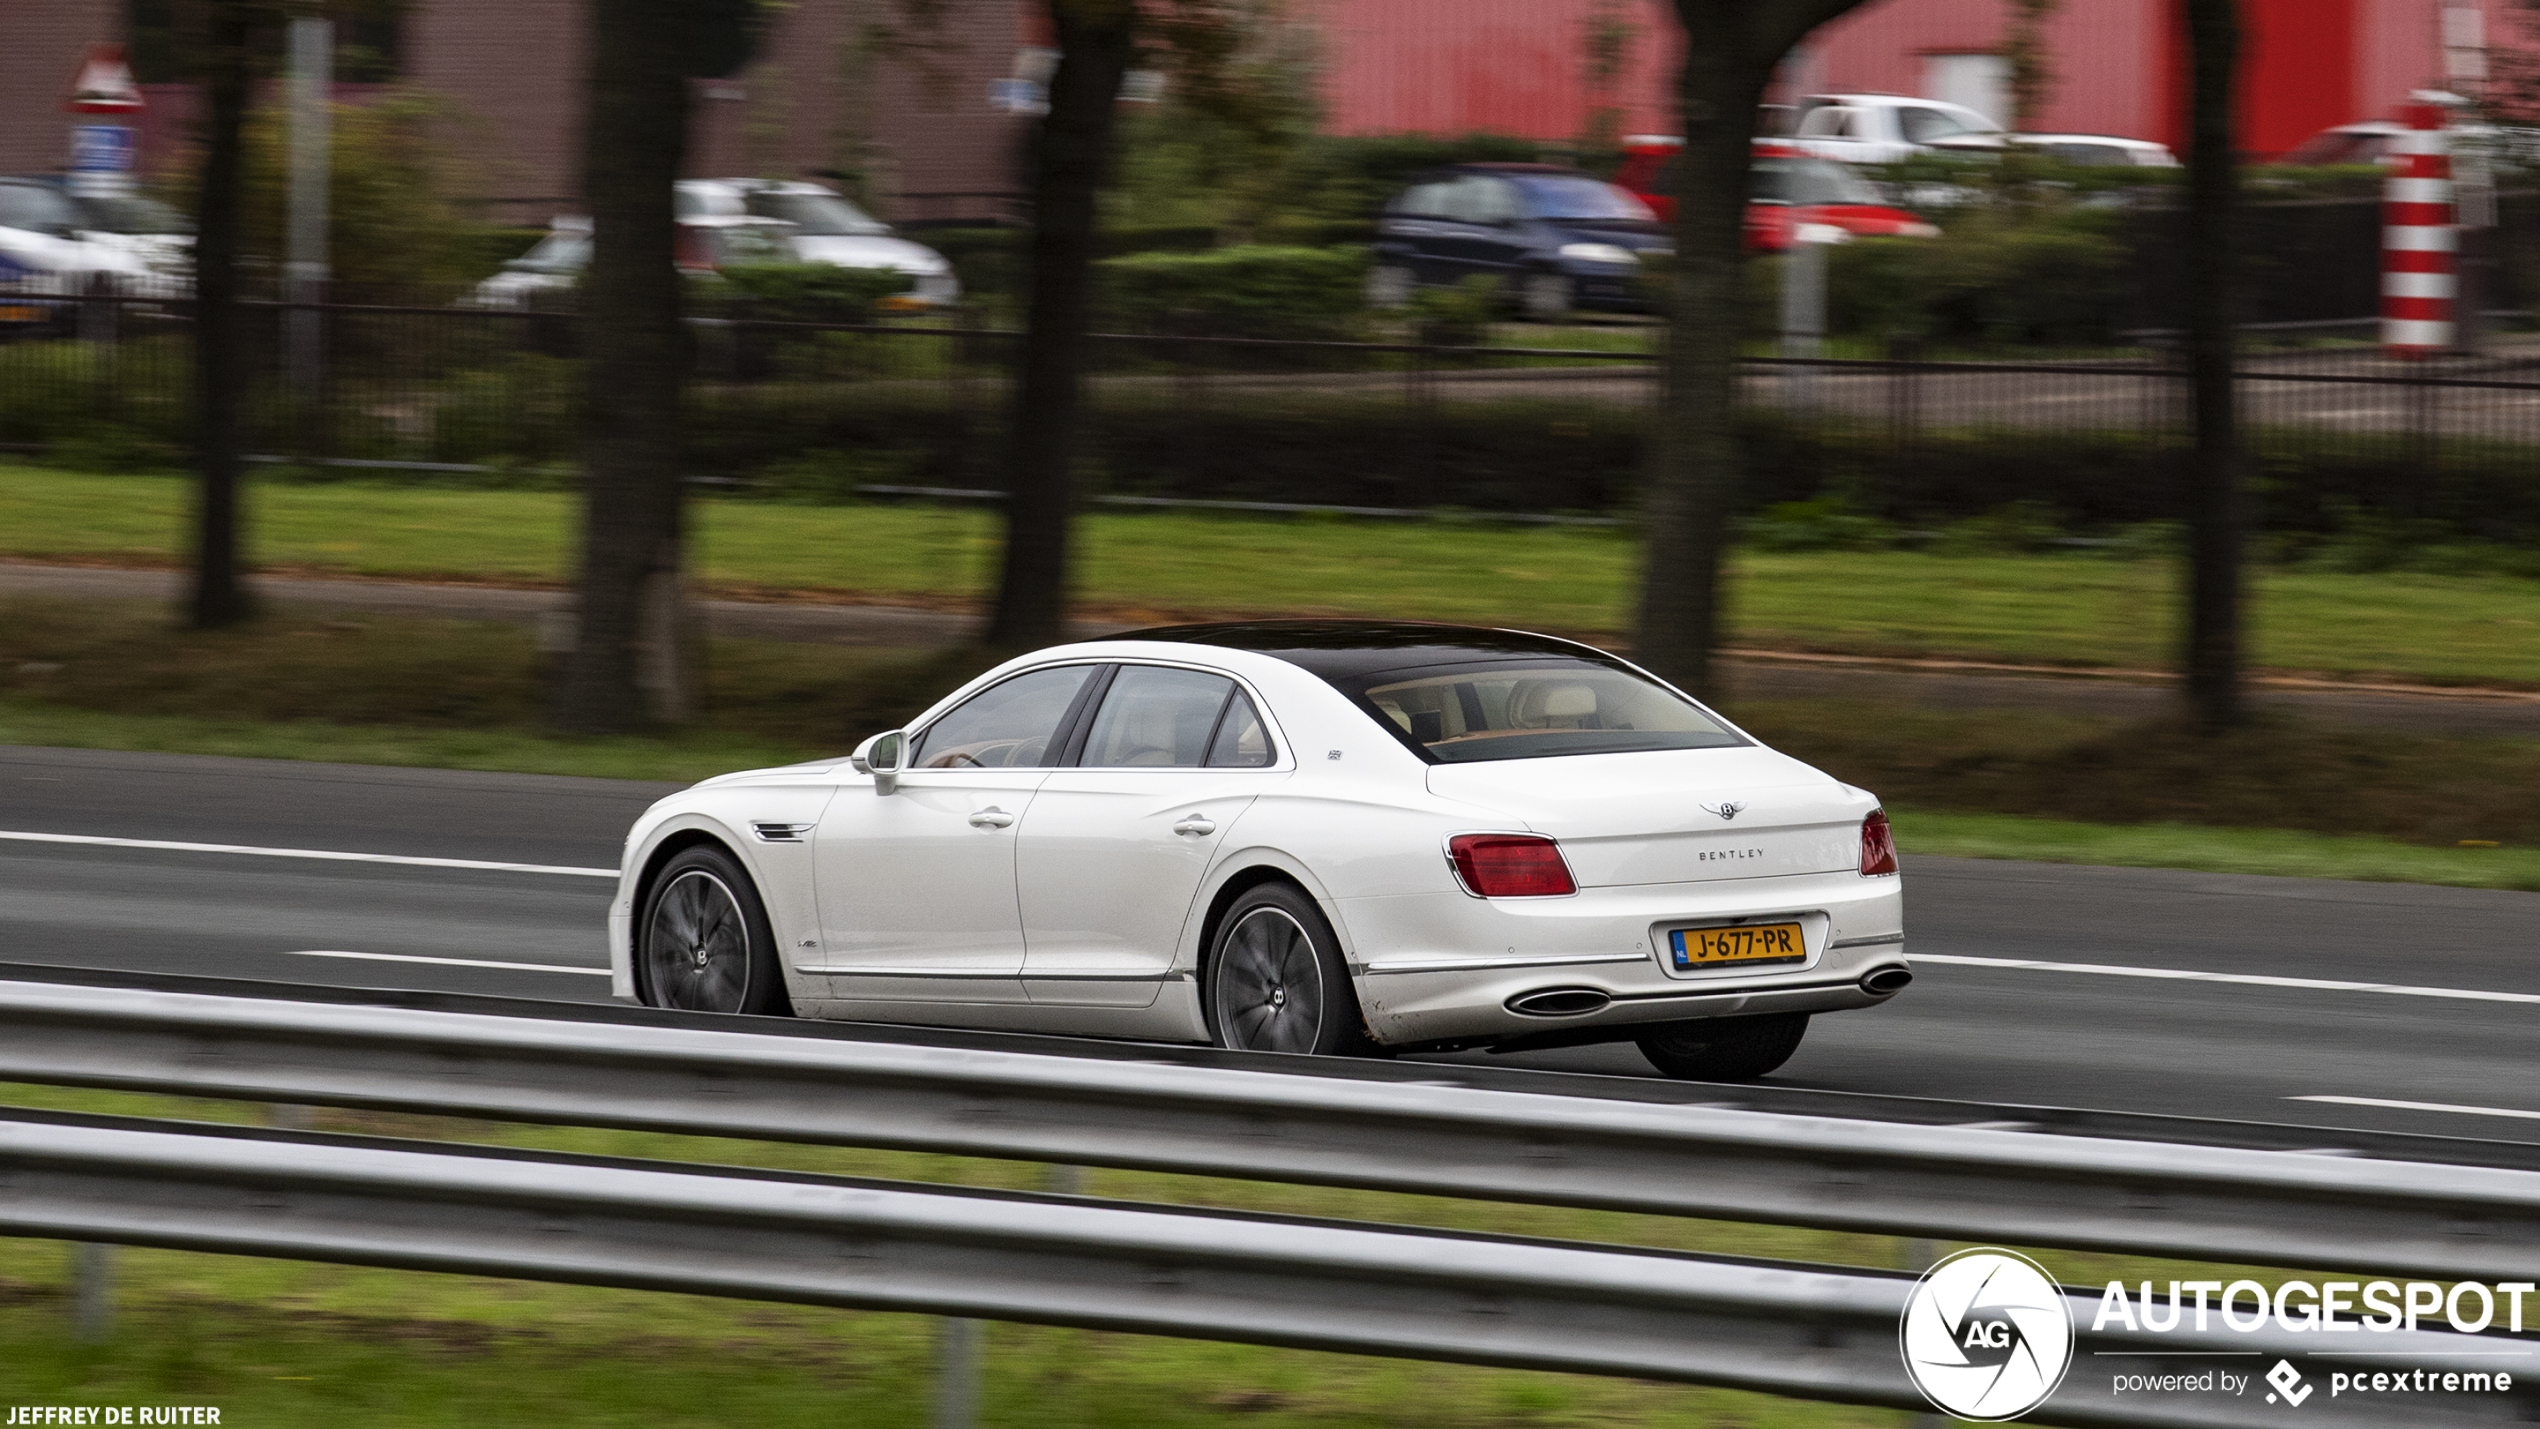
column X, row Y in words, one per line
column 841, row 86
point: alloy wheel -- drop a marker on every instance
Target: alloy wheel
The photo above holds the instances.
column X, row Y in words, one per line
column 1269, row 985
column 697, row 948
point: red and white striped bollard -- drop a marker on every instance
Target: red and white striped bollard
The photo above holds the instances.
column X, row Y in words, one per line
column 2418, row 240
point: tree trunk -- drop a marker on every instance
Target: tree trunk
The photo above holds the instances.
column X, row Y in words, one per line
column 2214, row 497
column 630, row 661
column 1693, row 477
column 1095, row 41
column 218, row 597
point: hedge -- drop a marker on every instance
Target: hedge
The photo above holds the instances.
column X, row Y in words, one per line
column 1368, row 448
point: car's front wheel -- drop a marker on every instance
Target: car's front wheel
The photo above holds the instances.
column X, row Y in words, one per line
column 1724, row 1049
column 1276, row 982
column 703, row 943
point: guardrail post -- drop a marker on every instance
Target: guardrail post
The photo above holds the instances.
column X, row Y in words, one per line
column 92, row 1291
column 957, row 1373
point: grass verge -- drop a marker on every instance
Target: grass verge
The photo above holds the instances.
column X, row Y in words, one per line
column 2088, row 610
column 2278, row 797
column 2282, row 852
column 279, row 1344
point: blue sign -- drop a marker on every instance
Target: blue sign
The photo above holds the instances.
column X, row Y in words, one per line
column 101, row 160
column 101, row 149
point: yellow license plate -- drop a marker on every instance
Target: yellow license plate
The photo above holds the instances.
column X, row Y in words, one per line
column 21, row 315
column 1752, row 943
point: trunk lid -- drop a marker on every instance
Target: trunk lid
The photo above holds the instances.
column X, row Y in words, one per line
column 1657, row 817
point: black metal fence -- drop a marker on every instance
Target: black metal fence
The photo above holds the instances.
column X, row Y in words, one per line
column 818, row 411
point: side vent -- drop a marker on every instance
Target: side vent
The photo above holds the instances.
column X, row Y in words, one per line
column 780, row 833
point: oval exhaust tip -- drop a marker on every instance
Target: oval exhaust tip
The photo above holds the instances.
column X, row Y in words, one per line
column 1887, row 980
column 1559, row 1002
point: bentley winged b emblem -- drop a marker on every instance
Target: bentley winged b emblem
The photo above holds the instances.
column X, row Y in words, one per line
column 1726, row 809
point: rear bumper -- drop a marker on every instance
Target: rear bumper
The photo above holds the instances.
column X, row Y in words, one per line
column 1443, row 969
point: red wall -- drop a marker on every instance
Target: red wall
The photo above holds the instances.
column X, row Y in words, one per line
column 1514, row 66
column 1508, row 66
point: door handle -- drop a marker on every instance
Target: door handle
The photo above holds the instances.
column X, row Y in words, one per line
column 991, row 818
column 1196, row 824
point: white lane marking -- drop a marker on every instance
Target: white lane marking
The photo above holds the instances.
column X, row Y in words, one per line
column 318, row 853
column 447, row 962
column 2425, row 1106
column 2458, row 994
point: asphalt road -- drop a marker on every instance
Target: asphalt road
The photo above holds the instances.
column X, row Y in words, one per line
column 2035, row 983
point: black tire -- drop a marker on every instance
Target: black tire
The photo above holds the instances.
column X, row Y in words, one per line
column 1724, row 1049
column 1546, row 297
column 702, row 940
column 1390, row 285
column 1276, row 981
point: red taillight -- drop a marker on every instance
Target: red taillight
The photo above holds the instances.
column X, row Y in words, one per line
column 1878, row 845
column 1510, row 866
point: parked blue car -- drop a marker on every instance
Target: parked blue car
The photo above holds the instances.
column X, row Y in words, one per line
column 1557, row 239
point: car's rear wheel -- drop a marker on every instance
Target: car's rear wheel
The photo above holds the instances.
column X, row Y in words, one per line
column 1724, row 1049
column 1276, row 982
column 1390, row 285
column 1546, row 297
column 703, row 943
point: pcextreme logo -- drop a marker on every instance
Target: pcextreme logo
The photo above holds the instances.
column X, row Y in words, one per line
column 1986, row 1335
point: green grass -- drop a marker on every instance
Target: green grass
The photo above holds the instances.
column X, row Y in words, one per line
column 680, row 759
column 467, row 694
column 287, row 1343
column 2283, row 852
column 2067, row 609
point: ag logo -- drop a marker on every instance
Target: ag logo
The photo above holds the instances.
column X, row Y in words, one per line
column 1986, row 1335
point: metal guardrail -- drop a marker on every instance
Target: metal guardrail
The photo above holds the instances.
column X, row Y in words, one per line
column 1811, row 1331
column 2205, row 1202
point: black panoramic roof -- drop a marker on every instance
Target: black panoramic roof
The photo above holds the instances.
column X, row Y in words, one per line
column 1339, row 649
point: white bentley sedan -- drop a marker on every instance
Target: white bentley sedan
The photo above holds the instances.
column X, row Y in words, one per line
column 1288, row 836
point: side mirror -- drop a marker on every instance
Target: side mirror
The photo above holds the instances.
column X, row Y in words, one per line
column 880, row 757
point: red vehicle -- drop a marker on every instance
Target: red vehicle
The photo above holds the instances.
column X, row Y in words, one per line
column 1786, row 188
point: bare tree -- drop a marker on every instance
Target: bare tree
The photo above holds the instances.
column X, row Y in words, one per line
column 1694, row 472
column 2214, row 497
column 1096, row 39
column 219, row 599
column 631, row 662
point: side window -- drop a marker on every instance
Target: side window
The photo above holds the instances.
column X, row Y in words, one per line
column 1495, row 200
column 36, row 209
column 1422, row 201
column 1466, row 200
column 1241, row 742
column 1005, row 726
column 1828, row 122
column 1156, row 718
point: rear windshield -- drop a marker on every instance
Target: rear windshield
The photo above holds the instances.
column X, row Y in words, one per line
column 1532, row 709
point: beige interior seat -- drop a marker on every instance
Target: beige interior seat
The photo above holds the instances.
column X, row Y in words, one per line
column 1541, row 704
